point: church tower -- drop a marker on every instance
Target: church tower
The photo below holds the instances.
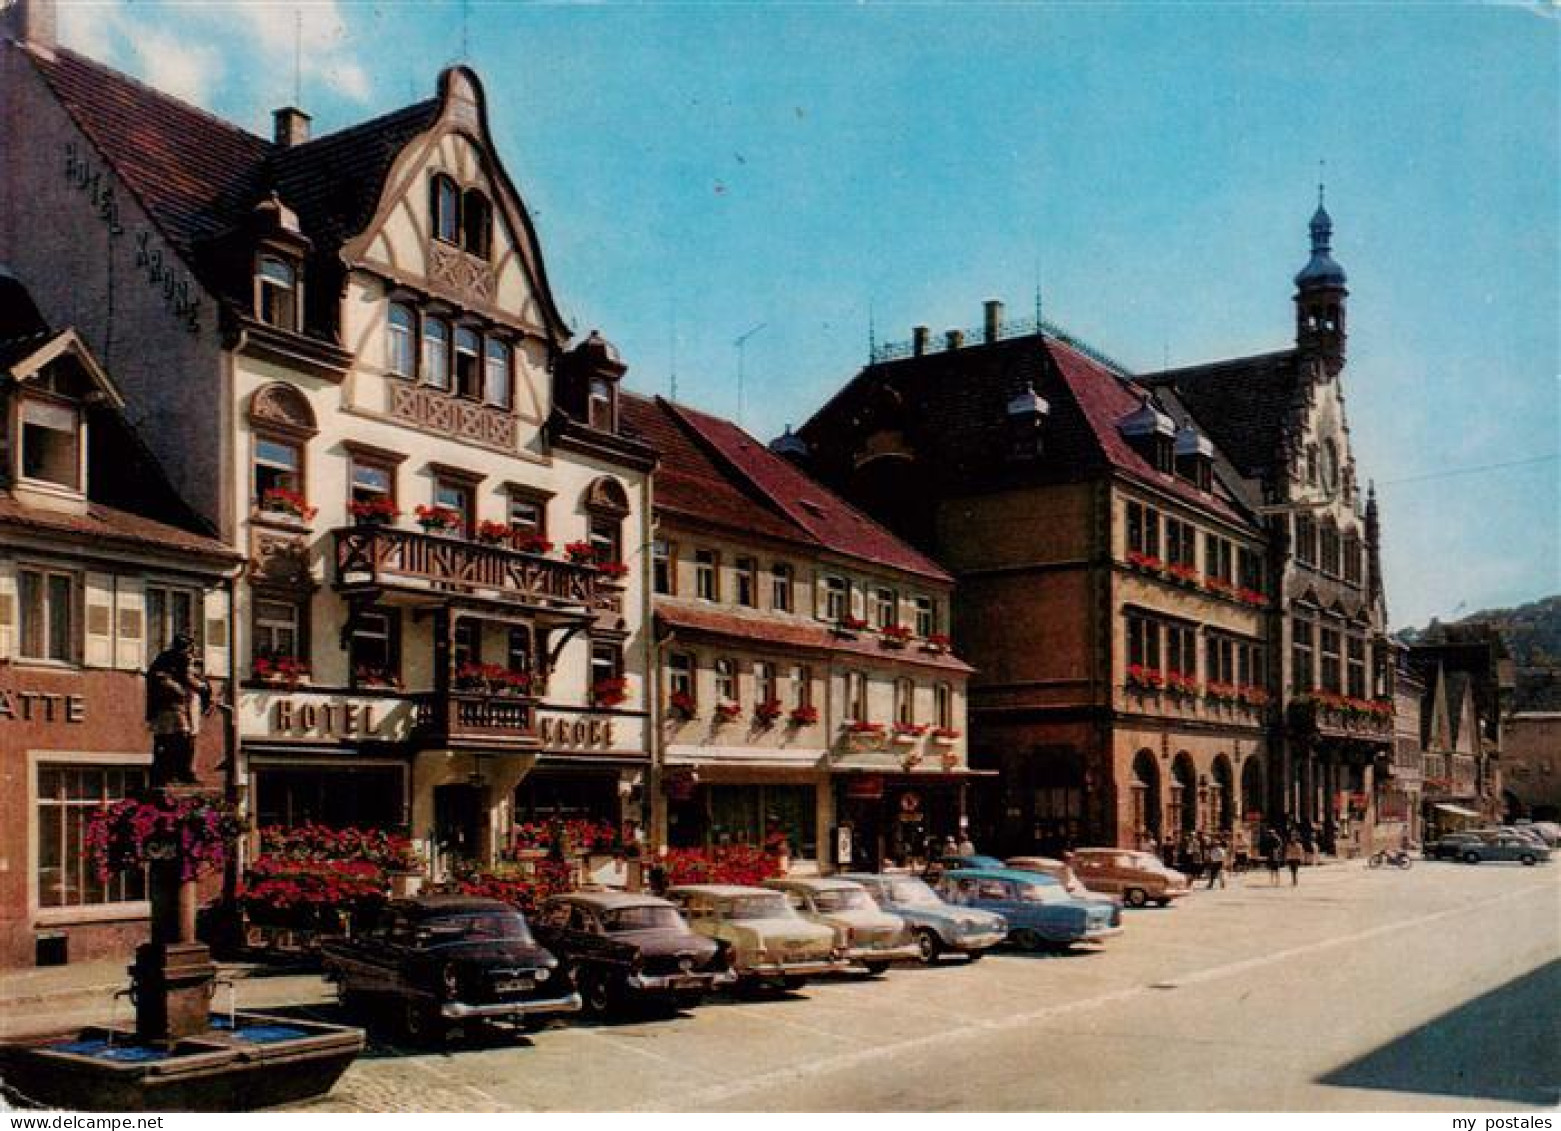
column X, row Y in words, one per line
column 1319, row 298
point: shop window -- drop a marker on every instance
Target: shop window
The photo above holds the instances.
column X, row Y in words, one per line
column 904, row 702
column 374, row 648
column 886, row 608
column 746, row 575
column 468, row 362
column 926, row 617
column 338, row 797
column 276, row 292
column 436, row 353
column 51, row 443
column 726, row 680
column 781, row 587
column 68, row 797
column 837, row 599
column 801, row 686
column 498, row 389
column 48, row 608
column 680, row 674
column 756, row 814
column 943, row 706
column 663, row 557
column 445, row 208
column 707, row 575
column 170, row 611
column 278, row 629
column 476, row 223
column 401, row 341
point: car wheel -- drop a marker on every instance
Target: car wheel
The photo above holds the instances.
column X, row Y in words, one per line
column 793, row 982
column 928, row 945
column 1529, row 859
column 421, row 1023
column 1135, row 897
column 1471, row 857
column 596, row 993
column 1026, row 939
column 874, row 969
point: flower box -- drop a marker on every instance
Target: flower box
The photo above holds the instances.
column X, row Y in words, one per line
column 682, row 705
column 373, row 512
column 581, row 553
column 282, row 671
column 1146, row 562
column 610, row 692
column 1251, row 597
column 617, row 571
column 727, row 711
column 195, row 831
column 491, row 533
column 1186, row 574
column 533, row 544
column 1180, row 684
column 491, row 679
column 365, row 676
column 1219, row 585
column 803, row 716
column 908, row 732
column 438, row 520
column 280, row 500
column 1140, row 678
column 937, row 642
column 767, row 712
column 945, row 736
column 895, row 635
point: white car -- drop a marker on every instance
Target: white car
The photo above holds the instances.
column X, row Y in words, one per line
column 864, row 933
column 769, row 940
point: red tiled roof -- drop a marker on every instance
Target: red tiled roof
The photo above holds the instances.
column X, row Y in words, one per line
column 105, row 524
column 713, row 471
column 788, row 634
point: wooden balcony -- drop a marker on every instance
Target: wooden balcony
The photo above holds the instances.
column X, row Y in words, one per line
column 463, row 718
column 383, row 558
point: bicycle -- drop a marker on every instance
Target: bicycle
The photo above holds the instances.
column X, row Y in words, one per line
column 1394, row 856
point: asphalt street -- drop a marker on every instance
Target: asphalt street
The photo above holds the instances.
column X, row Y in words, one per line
column 1435, row 989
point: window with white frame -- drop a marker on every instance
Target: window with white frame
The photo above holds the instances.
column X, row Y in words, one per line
column 468, row 363
column 746, row 573
column 48, row 607
column 1302, row 670
column 661, row 567
column 602, row 410
column 764, row 682
column 780, row 587
column 374, row 649
column 886, row 608
column 943, row 706
column 401, row 340
column 498, row 388
column 904, row 702
column 276, row 292
column 605, row 534
column 801, row 686
column 51, row 443
column 726, row 680
column 680, row 674
column 706, row 575
column 527, row 514
column 926, row 617
column 837, row 599
column 68, row 797
column 170, row 611
column 278, row 467
column 278, row 629
column 436, row 353
column 856, row 696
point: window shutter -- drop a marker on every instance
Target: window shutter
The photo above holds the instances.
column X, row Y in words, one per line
column 130, row 625
column 99, row 616
column 217, row 634
column 9, row 615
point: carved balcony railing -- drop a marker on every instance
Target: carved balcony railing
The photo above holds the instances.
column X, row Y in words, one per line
column 1335, row 716
column 475, row 719
column 380, row 557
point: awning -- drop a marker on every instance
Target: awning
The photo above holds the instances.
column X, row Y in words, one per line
column 1456, row 810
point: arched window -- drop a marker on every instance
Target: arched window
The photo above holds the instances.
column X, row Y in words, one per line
column 276, row 292
column 401, row 341
column 445, row 207
column 436, row 352
column 476, row 223
column 497, row 387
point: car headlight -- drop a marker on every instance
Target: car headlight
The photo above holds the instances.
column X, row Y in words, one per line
column 543, row 974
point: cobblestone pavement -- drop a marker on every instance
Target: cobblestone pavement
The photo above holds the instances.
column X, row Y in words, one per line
column 1432, row 989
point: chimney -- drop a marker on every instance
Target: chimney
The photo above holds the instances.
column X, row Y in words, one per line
column 292, row 126
column 993, row 322
column 955, row 339
column 918, row 340
column 29, row 21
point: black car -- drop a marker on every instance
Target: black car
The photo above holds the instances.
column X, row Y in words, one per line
column 620, row 948
column 441, row 960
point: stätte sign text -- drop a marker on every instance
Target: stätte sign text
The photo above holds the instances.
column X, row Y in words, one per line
column 21, row 706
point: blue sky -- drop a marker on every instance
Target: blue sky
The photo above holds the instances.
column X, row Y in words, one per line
column 697, row 170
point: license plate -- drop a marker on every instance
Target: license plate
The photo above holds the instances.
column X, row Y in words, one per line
column 687, row 983
column 512, row 985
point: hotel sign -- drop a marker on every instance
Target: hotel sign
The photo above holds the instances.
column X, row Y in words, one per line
column 329, row 718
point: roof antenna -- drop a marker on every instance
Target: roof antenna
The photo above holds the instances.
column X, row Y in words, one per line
column 742, row 349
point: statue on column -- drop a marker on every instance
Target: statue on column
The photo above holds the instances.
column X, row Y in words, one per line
column 173, row 687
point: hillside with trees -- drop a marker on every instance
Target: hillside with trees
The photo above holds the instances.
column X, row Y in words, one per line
column 1532, row 635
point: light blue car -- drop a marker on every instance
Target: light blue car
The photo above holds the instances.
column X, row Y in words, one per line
column 1039, row 910
column 938, row 926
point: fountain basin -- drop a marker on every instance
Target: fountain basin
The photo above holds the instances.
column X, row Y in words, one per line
column 244, row 1061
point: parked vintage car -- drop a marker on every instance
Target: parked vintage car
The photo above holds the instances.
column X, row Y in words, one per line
column 865, row 934
column 620, row 947
column 1502, row 846
column 938, row 926
column 440, row 960
column 1450, row 846
column 1038, row 911
column 1138, row 877
column 769, row 941
column 1058, row 870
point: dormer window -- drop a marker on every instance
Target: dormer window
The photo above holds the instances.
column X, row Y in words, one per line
column 1152, row 434
column 445, row 205
column 604, row 405
column 276, row 292
column 51, row 443
column 468, row 362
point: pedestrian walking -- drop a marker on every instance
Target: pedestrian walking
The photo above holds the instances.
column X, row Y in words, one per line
column 1217, row 864
column 1294, row 854
column 1273, row 851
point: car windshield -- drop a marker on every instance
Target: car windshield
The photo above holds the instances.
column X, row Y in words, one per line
column 842, row 899
column 913, row 893
column 1041, row 893
column 484, row 927
column 772, row 906
column 645, row 918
